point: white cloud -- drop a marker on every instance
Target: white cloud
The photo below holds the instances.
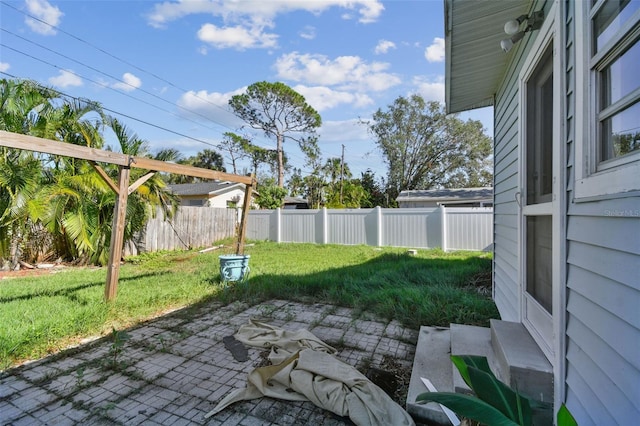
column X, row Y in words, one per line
column 66, row 78
column 435, row 52
column 344, row 131
column 213, row 105
column 323, row 98
column 46, row 13
column 236, row 37
column 235, row 11
column 384, row 46
column 129, row 83
column 347, row 72
column 430, row 90
column 308, row 32
column 4, row 66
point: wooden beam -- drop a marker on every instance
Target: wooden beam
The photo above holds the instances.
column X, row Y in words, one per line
column 117, row 235
column 105, row 177
column 181, row 169
column 32, row 143
column 135, row 185
column 246, row 206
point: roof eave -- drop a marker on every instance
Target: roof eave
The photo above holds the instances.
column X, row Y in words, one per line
column 474, row 61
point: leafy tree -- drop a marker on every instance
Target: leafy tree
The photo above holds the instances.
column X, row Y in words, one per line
column 233, row 146
column 281, row 113
column 295, row 185
column 374, row 191
column 270, row 196
column 424, row 148
column 351, row 196
column 206, row 159
column 209, row 159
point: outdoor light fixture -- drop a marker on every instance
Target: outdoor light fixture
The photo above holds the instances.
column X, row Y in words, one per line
column 512, row 28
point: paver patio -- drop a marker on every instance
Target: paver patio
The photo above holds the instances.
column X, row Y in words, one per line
column 174, row 369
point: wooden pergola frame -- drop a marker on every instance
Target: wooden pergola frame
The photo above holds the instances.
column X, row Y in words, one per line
column 123, row 189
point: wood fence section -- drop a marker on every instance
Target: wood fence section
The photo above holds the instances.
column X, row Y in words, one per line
column 191, row 227
column 461, row 228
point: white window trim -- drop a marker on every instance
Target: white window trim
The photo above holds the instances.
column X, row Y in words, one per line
column 619, row 177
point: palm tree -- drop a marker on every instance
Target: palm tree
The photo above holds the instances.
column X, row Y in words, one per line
column 67, row 195
column 21, row 103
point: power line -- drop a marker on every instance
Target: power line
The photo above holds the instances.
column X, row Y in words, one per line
column 66, row 95
column 113, row 77
column 109, row 54
column 100, row 84
column 117, row 79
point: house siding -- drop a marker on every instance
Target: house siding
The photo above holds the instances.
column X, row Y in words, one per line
column 602, row 364
column 603, row 288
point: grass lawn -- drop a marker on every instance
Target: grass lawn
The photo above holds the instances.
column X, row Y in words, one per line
column 42, row 314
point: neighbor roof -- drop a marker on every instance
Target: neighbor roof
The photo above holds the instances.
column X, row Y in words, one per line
column 481, row 193
column 294, row 200
column 474, row 61
column 203, row 188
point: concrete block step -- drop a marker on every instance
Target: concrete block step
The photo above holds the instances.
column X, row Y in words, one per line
column 431, row 362
column 522, row 363
column 469, row 340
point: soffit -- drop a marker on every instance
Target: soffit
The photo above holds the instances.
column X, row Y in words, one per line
column 474, row 61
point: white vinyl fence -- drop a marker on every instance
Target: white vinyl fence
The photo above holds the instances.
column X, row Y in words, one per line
column 450, row 228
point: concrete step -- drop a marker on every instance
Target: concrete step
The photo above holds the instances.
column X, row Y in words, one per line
column 523, row 366
column 431, row 362
column 469, row 340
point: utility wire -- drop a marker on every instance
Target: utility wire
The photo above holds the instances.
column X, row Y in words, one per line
column 115, row 78
column 105, row 86
column 81, row 40
column 66, row 95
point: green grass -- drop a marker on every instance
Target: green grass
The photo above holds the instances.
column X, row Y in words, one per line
column 41, row 314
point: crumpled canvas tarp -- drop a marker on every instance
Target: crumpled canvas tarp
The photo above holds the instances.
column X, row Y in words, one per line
column 305, row 370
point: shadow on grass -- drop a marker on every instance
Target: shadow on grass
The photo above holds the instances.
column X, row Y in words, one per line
column 413, row 290
column 70, row 292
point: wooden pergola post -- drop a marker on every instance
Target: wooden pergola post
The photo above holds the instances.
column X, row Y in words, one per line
column 246, row 205
column 117, row 234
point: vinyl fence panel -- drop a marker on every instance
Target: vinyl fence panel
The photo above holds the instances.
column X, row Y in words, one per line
column 463, row 228
column 418, row 227
column 469, row 228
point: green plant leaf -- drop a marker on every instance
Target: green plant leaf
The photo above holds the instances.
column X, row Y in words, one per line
column 462, row 362
column 565, row 418
column 498, row 395
column 468, row 406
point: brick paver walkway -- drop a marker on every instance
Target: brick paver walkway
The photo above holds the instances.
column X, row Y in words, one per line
column 175, row 369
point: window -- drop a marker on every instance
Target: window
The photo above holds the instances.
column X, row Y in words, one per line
column 615, row 59
column 608, row 153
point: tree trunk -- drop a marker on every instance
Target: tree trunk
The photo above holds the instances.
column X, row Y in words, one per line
column 280, row 139
column 14, row 248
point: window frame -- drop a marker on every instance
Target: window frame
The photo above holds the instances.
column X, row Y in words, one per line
column 616, row 177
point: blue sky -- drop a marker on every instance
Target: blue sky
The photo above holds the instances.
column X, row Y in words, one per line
column 175, row 64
